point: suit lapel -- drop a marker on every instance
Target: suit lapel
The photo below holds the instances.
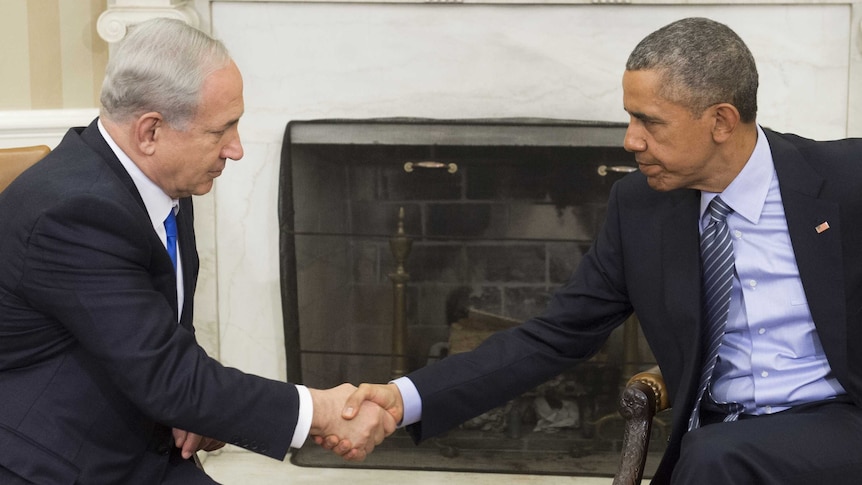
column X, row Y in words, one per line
column 185, row 221
column 818, row 254
column 93, row 138
column 189, row 255
column 680, row 255
column 680, row 267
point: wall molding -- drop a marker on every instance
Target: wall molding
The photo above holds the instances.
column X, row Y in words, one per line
column 41, row 127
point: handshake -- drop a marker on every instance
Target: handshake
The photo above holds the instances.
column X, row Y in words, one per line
column 351, row 421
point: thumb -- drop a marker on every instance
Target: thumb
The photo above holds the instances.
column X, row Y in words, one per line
column 179, row 437
column 386, row 396
column 375, row 393
column 354, row 401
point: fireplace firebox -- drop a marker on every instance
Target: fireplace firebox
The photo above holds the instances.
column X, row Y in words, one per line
column 402, row 240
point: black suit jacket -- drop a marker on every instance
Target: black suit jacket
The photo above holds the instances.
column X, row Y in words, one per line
column 94, row 369
column 646, row 259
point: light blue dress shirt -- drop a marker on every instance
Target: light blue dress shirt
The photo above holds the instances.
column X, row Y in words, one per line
column 770, row 358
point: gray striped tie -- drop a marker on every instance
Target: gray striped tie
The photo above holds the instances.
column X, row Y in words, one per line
column 717, row 256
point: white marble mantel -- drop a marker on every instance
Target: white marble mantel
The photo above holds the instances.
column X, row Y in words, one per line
column 458, row 59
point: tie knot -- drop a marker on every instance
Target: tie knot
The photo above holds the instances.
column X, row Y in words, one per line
column 718, row 209
column 171, row 239
column 171, row 224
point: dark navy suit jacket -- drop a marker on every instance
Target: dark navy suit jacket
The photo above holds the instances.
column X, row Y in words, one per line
column 94, row 369
column 646, row 260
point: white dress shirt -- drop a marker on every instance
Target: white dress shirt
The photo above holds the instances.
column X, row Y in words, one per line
column 157, row 203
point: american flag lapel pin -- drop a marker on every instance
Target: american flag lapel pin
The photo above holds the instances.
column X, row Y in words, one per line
column 822, row 227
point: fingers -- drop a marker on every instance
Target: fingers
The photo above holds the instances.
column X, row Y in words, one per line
column 373, row 424
column 386, row 427
column 355, row 455
column 329, row 442
column 333, row 441
column 179, row 437
column 342, row 447
column 390, row 424
column 191, row 445
column 370, row 413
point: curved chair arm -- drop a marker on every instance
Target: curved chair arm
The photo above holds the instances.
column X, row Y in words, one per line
column 645, row 394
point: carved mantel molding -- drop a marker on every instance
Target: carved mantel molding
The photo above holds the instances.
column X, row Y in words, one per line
column 114, row 22
column 120, row 14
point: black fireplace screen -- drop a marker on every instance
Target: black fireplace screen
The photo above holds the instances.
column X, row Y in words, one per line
column 405, row 240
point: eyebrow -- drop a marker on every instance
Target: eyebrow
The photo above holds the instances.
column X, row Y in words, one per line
column 225, row 126
column 645, row 117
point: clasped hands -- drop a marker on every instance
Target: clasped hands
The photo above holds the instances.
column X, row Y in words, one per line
column 351, row 421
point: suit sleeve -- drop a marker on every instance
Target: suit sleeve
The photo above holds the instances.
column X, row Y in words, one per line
column 97, row 269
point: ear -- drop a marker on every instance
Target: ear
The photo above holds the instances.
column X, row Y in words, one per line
column 725, row 120
column 147, row 131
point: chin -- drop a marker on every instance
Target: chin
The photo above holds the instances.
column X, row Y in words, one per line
column 660, row 184
column 202, row 189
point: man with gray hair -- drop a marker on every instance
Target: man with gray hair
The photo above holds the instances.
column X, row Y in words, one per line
column 740, row 251
column 101, row 378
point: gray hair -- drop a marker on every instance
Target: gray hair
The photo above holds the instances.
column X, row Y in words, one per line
column 160, row 66
column 702, row 63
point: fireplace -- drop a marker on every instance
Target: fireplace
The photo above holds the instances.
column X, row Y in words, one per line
column 448, row 229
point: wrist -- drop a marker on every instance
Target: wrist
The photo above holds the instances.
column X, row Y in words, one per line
column 397, row 409
column 319, row 408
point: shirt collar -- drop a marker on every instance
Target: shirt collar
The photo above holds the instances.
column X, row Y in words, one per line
column 746, row 194
column 156, row 201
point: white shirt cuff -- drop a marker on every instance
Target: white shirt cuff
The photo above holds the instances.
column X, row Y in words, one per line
column 412, row 401
column 303, row 423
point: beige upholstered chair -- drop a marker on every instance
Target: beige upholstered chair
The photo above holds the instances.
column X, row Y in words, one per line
column 13, row 161
column 645, row 395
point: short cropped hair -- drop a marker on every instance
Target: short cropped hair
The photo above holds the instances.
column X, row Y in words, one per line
column 160, row 66
column 702, row 63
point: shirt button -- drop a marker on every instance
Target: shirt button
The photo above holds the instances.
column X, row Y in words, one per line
column 752, row 283
column 769, row 409
column 737, row 234
column 761, row 331
column 764, row 374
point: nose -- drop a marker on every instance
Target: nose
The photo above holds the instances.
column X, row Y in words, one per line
column 634, row 140
column 233, row 149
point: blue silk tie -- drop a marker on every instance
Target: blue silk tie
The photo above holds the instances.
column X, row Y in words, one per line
column 171, row 230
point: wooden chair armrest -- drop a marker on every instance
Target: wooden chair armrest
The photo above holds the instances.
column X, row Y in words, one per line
column 645, row 394
column 653, row 379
